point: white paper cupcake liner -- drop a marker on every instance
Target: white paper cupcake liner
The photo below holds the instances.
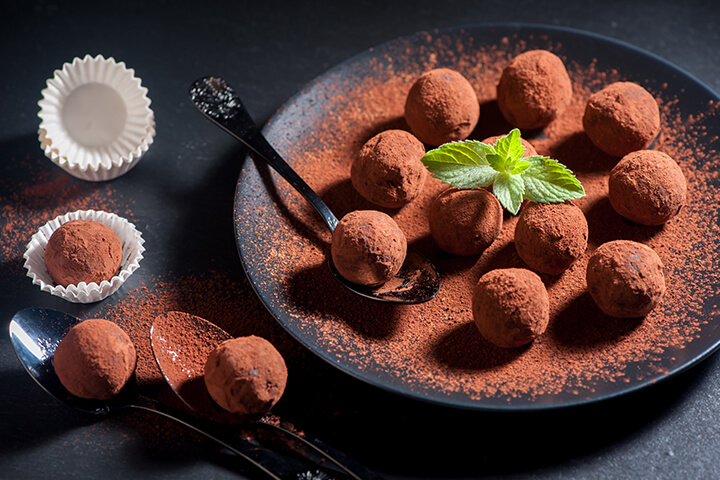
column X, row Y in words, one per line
column 96, row 121
column 132, row 245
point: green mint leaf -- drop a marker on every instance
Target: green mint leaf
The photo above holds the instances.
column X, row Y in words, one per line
column 509, row 191
column 510, row 147
column 549, row 181
column 461, row 164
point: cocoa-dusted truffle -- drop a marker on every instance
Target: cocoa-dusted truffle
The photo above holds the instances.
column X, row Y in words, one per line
column 388, row 171
column 621, row 118
column 625, row 278
column 245, row 375
column 550, row 237
column 368, row 247
column 442, row 107
column 95, row 359
column 534, row 89
column 529, row 149
column 83, row 251
column 647, row 187
column 465, row 222
column 511, row 306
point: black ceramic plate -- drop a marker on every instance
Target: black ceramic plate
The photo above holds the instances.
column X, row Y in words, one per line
column 320, row 128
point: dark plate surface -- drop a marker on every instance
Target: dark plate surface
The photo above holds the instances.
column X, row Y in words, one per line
column 282, row 244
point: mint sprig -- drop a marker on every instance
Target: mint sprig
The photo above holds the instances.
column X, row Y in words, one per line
column 473, row 164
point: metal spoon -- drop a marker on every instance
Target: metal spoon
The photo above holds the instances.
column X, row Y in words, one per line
column 35, row 334
column 417, row 281
column 181, row 343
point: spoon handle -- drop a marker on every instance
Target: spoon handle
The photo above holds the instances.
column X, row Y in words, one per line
column 222, row 105
column 268, row 461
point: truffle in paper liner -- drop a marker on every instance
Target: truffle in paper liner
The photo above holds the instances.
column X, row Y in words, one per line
column 96, row 121
column 132, row 243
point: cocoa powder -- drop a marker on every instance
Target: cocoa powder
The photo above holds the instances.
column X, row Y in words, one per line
column 435, row 346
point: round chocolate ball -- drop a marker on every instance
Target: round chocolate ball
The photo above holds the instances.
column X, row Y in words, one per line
column 245, row 375
column 388, row 171
column 511, row 306
column 647, row 187
column 550, row 237
column 442, row 107
column 465, row 222
column 368, row 247
column 625, row 278
column 95, row 359
column 621, row 118
column 83, row 251
column 534, row 89
column 529, row 149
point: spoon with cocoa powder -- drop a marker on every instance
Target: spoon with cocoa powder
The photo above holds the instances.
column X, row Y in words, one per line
column 181, row 344
column 35, row 333
column 416, row 281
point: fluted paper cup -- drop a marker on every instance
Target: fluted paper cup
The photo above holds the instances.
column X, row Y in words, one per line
column 96, row 121
column 132, row 245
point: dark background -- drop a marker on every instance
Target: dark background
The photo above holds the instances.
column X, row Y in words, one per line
column 270, row 50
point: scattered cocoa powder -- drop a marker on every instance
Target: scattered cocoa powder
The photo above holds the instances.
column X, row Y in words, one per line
column 433, row 349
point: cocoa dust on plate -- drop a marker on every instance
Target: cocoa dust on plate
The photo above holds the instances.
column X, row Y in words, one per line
column 435, row 347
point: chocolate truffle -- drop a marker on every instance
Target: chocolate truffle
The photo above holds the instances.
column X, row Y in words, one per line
column 95, row 359
column 621, row 118
column 549, row 237
column 388, row 171
column 245, row 375
column 442, row 107
column 368, row 247
column 83, row 251
column 529, row 149
column 511, row 306
column 465, row 222
column 647, row 187
column 534, row 89
column 625, row 278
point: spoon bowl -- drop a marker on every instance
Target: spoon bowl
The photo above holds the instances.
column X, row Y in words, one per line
column 416, row 282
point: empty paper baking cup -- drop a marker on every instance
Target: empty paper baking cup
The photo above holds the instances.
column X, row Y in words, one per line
column 132, row 245
column 96, row 121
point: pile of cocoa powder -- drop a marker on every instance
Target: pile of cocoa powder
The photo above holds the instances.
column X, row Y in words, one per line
column 434, row 348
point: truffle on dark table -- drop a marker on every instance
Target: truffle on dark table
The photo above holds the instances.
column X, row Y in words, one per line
column 511, row 306
column 625, row 278
column 95, row 359
column 246, row 375
column 83, row 251
column 549, row 238
column 621, row 118
column 442, row 107
column 388, row 171
column 647, row 187
column 465, row 222
column 534, row 89
column 368, row 247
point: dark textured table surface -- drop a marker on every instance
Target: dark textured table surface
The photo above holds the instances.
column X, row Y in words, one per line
column 270, row 50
